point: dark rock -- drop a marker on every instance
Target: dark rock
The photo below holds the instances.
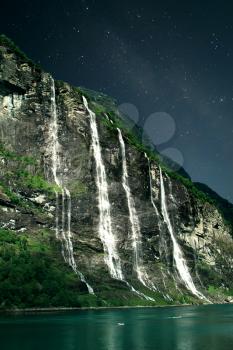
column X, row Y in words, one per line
column 25, row 118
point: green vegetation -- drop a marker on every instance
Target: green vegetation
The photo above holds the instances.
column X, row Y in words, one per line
column 209, row 276
column 117, row 298
column 212, row 290
column 81, row 91
column 77, row 188
column 129, row 134
column 33, row 275
column 20, row 178
column 133, row 139
column 9, row 155
column 104, row 105
column 215, row 291
column 32, row 270
column 224, row 206
column 198, row 194
column 36, row 182
column 7, row 42
column 13, row 197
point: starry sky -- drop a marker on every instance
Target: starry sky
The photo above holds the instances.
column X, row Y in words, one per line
column 168, row 64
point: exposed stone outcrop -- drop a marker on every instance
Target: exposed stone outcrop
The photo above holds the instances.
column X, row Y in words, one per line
column 25, row 120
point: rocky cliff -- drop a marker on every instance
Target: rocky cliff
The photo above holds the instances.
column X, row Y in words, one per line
column 88, row 214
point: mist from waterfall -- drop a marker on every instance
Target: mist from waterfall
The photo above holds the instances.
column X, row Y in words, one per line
column 63, row 230
column 106, row 234
column 178, row 256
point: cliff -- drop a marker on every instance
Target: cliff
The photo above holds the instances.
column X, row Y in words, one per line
column 88, row 214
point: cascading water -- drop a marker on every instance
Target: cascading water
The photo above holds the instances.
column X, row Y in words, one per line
column 107, row 237
column 179, row 259
column 135, row 226
column 63, row 231
column 151, row 188
column 72, row 262
column 112, row 258
column 53, row 133
column 166, row 296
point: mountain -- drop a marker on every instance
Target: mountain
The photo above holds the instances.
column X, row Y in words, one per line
column 225, row 207
column 91, row 216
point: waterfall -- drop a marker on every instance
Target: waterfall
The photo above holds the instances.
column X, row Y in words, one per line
column 166, row 296
column 179, row 259
column 134, row 221
column 112, row 258
column 151, row 188
column 63, row 231
column 55, row 160
column 135, row 227
column 107, row 237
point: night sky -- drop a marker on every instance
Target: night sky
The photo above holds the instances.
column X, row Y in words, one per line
column 169, row 66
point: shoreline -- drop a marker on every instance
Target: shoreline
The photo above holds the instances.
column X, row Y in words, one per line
column 50, row 310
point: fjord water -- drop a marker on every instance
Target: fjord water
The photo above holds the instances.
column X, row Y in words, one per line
column 169, row 328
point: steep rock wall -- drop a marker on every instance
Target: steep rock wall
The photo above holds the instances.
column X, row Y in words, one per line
column 29, row 206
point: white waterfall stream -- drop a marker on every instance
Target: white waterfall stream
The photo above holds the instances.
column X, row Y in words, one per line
column 166, row 296
column 112, row 258
column 107, row 237
column 134, row 221
column 178, row 256
column 63, row 231
column 151, row 188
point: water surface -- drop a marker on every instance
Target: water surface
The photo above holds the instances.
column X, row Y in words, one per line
column 170, row 328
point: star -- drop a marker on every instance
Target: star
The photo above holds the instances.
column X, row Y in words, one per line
column 160, row 60
column 75, row 29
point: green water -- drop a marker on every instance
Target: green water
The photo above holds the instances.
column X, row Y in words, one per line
column 181, row 328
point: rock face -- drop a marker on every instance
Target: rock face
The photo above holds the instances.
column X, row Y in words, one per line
column 50, row 183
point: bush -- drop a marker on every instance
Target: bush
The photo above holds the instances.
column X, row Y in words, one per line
column 7, row 42
column 30, row 278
